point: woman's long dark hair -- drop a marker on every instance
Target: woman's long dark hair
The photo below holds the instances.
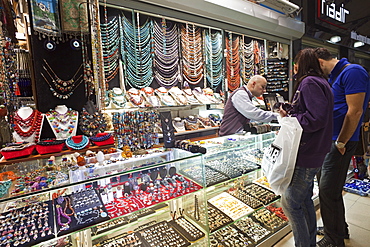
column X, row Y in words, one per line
column 308, row 65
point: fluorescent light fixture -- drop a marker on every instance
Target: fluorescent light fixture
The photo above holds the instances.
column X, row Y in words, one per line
column 358, row 44
column 335, row 39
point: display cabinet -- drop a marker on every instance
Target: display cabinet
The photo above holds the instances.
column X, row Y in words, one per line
column 137, row 201
column 241, row 209
column 161, row 197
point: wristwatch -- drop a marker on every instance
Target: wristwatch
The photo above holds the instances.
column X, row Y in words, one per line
column 340, row 144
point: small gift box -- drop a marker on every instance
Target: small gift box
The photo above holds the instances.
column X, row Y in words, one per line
column 18, row 149
column 102, row 139
column 50, row 146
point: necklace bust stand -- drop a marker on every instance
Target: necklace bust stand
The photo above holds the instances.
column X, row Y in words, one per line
column 191, row 123
column 190, row 97
column 150, row 97
column 166, row 99
column 199, row 94
column 178, row 124
column 28, row 125
column 117, row 98
column 178, row 95
column 136, row 99
column 63, row 121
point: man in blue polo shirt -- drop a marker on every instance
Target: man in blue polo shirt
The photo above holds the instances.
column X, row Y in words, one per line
column 351, row 89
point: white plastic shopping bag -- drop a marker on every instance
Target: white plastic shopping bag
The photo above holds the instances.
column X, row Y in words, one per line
column 280, row 157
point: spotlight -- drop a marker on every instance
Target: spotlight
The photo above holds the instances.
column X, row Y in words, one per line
column 358, row 44
column 335, row 39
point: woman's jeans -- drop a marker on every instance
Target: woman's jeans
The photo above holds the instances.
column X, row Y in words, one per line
column 298, row 206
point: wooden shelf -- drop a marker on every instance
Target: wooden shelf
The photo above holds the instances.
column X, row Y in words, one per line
column 46, row 156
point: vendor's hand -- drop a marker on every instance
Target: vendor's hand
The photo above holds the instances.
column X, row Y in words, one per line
column 341, row 150
column 282, row 112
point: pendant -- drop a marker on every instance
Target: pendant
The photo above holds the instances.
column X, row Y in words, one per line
column 49, row 45
column 75, row 44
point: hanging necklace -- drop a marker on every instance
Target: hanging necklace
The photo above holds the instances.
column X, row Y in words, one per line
column 232, row 62
column 213, row 58
column 192, row 55
column 138, row 47
column 166, row 54
column 62, row 89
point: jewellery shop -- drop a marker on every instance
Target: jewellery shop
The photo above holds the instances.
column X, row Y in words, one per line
column 109, row 116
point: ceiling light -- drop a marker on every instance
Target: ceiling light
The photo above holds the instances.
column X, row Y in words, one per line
column 358, row 44
column 335, row 39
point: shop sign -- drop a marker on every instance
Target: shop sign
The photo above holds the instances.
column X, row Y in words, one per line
column 360, row 37
column 330, row 9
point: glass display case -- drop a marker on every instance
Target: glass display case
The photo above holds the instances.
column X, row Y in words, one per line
column 162, row 197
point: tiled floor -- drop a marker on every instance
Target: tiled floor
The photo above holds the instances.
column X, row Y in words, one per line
column 358, row 219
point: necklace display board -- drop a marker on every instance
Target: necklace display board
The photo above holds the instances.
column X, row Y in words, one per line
column 168, row 129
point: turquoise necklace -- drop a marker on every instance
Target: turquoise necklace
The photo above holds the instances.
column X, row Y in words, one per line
column 213, row 57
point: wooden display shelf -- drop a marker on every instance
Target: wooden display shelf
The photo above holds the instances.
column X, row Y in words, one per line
column 46, row 156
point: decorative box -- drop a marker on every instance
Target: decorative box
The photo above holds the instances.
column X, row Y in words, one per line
column 102, row 139
column 16, row 150
column 50, row 146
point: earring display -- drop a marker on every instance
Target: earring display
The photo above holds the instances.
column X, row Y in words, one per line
column 135, row 196
column 230, row 236
column 187, row 229
column 252, row 229
column 212, row 177
column 123, row 240
column 78, row 210
column 28, row 225
column 264, row 195
column 216, row 218
column 269, row 220
column 162, row 234
column 246, row 198
column 231, row 206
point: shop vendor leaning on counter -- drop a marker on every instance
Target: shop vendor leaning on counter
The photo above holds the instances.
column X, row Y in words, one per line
column 239, row 109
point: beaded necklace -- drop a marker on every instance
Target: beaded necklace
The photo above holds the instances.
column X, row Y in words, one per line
column 117, row 97
column 213, row 58
column 166, row 51
column 190, row 96
column 232, row 62
column 138, row 47
column 192, row 55
column 110, row 47
column 178, row 95
column 135, row 97
column 32, row 122
column 70, row 142
column 148, row 94
column 165, row 97
column 92, row 123
column 62, row 89
column 62, row 124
